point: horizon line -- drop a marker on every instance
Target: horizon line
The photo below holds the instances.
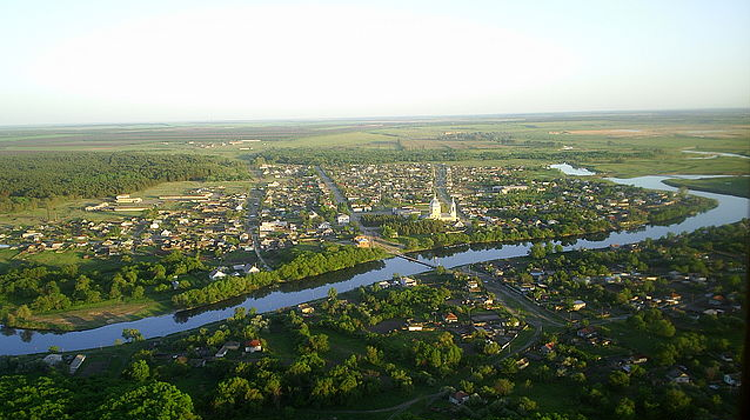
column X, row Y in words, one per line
column 380, row 117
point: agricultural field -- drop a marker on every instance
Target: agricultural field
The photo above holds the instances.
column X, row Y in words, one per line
column 665, row 136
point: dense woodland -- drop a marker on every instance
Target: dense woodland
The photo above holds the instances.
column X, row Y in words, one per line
column 30, row 180
column 308, row 156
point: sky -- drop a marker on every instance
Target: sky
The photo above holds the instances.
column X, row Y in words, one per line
column 75, row 62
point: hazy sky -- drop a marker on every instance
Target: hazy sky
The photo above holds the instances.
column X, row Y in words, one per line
column 129, row 61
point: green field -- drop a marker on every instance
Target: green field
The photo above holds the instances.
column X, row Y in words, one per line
column 738, row 186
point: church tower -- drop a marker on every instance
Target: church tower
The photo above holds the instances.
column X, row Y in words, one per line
column 435, row 208
column 454, row 212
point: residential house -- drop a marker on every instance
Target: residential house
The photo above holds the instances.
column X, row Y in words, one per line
column 253, row 346
column 458, row 398
column 76, row 363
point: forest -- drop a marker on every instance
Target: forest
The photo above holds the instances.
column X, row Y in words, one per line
column 309, row 156
column 31, row 180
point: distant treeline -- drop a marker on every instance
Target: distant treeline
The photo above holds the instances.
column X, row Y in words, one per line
column 31, row 180
column 310, row 156
column 305, row 265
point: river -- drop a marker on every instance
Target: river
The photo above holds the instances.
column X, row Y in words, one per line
column 15, row 341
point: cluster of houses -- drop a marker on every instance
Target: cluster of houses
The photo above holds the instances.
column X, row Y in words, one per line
column 297, row 207
column 478, row 188
column 213, row 223
column 383, row 187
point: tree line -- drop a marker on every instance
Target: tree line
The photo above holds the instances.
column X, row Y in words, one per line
column 307, row 264
column 30, row 180
column 317, row 156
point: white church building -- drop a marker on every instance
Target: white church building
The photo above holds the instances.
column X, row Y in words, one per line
column 436, row 211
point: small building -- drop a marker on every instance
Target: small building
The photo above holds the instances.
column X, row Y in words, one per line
column 414, row 326
column 407, row 282
column 216, row 274
column 52, row 359
column 450, row 318
column 76, row 363
column 548, row 348
column 342, row 219
column 305, row 309
column 253, row 346
column 458, row 398
column 578, row 305
column 587, row 332
column 127, row 199
column 678, row 377
column 733, row 379
column 362, row 241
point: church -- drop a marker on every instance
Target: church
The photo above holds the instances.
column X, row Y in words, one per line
column 437, row 214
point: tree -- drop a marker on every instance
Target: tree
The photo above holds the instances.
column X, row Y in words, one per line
column 503, row 387
column 154, row 401
column 138, row 371
column 332, row 294
column 43, row 398
column 619, row 379
column 625, row 409
column 132, row 334
column 526, row 404
column 676, row 401
column 23, row 312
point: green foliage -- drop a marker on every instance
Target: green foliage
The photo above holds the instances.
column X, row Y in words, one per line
column 132, row 334
column 30, row 180
column 138, row 371
column 305, row 265
column 442, row 355
column 154, row 401
column 40, row 399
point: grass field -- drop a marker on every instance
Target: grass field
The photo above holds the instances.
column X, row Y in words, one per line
column 738, row 186
column 102, row 313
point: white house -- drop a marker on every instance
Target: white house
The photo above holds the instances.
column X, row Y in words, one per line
column 458, row 398
column 253, row 346
column 342, row 219
column 216, row 274
column 76, row 363
column 52, row 359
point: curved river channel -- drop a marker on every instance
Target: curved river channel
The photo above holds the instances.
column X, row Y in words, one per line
column 16, row 341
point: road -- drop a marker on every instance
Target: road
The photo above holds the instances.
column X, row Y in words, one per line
column 535, row 314
column 355, row 219
column 441, row 176
column 253, row 209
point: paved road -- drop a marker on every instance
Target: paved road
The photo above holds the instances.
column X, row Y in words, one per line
column 254, row 200
column 338, row 196
column 441, row 176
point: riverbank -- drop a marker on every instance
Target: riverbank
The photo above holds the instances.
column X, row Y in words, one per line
column 737, row 186
column 90, row 316
column 730, row 210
